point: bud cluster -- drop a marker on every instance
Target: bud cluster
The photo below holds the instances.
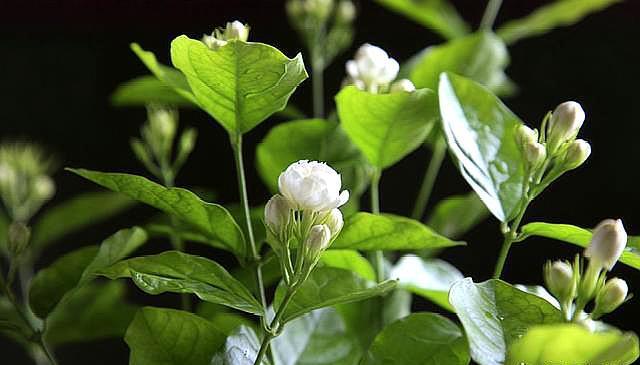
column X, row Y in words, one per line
column 155, row 148
column 234, row 30
column 574, row 287
column 374, row 71
column 303, row 219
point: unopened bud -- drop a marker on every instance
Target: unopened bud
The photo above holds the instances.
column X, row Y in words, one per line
column 526, row 135
column 18, row 238
column 558, row 276
column 564, row 124
column 213, row 42
column 277, row 213
column 43, row 187
column 607, row 243
column 320, row 9
column 334, row 221
column 577, row 153
column 611, row 296
column 318, row 240
column 403, row 85
column 295, row 8
column 7, row 175
column 345, row 12
column 236, row 30
column 535, row 153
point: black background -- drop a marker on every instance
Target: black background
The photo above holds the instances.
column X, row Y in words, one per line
column 60, row 60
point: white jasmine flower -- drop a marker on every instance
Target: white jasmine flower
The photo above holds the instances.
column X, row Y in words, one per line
column 565, row 122
column 318, row 240
column 577, row 153
column 607, row 243
column 403, row 85
column 312, row 186
column 235, row 30
column 277, row 213
column 611, row 296
column 334, row 221
column 372, row 69
column 535, row 153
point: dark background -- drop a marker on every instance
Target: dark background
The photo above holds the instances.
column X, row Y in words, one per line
column 60, row 60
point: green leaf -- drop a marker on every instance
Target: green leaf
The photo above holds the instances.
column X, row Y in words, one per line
column 348, row 260
column 177, row 272
column 456, row 215
column 318, row 337
column 480, row 131
column 438, row 15
column 573, row 344
column 495, row 314
column 369, row 232
column 223, row 318
column 77, row 213
column 481, row 57
column 4, row 226
column 581, row 237
column 327, row 286
column 147, row 89
column 431, row 278
column 421, row 338
column 12, row 326
column 387, row 127
column 240, row 84
column 159, row 336
column 545, row 18
column 93, row 312
column 213, row 220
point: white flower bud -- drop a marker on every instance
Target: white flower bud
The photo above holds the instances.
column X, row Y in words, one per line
column 277, row 213
column 535, row 153
column 526, row 135
column 163, row 123
column 43, row 187
column 373, row 67
column 312, row 186
column 558, row 276
column 334, row 221
column 607, row 243
column 318, row 240
column 319, row 9
column 402, row 85
column 564, row 124
column 611, row 296
column 345, row 12
column 577, row 153
column 236, row 30
column 212, row 42
column 7, row 175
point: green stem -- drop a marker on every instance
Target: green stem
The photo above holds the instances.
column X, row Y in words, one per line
column 429, row 180
column 378, row 255
column 244, row 200
column 509, row 237
column 317, row 80
column 490, row 13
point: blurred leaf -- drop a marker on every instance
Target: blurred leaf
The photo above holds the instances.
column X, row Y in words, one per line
column 223, row 318
column 396, row 305
column 160, row 336
column 547, row 17
column 11, row 325
column 318, row 337
column 177, row 272
column 438, row 15
column 495, row 314
column 573, row 344
column 421, row 338
column 212, row 220
column 430, row 278
column 291, row 112
column 77, row 213
column 257, row 80
column 387, row 127
column 4, row 226
column 581, row 237
column 369, row 232
column 241, row 348
column 145, row 90
column 348, row 260
column 480, row 131
column 327, row 286
column 456, row 215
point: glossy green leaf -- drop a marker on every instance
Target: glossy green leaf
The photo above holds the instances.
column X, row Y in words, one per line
column 581, row 237
column 547, row 17
column 367, row 232
column 348, row 260
column 573, row 344
column 212, row 220
column 495, row 314
column 456, row 215
column 421, row 338
column 480, row 131
column 327, row 286
column 159, row 336
column 177, row 272
column 240, row 84
column 145, row 90
column 439, row 15
column 430, row 278
column 387, row 127
column 93, row 312
column 318, row 337
column 77, row 213
column 481, row 57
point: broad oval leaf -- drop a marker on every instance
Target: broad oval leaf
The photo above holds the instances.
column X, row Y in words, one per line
column 421, row 338
column 327, row 286
column 148, row 89
column 178, row 272
column 428, row 278
column 387, row 127
column 161, row 336
column 349, row 260
column 240, row 84
column 369, row 232
column 213, row 220
column 495, row 314
column 581, row 237
column 439, row 15
column 573, row 344
column 480, row 131
column 456, row 215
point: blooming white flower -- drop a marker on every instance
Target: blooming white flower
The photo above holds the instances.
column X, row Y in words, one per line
column 372, row 69
column 312, row 186
column 607, row 243
column 277, row 213
column 564, row 124
column 611, row 296
column 220, row 37
column 402, row 85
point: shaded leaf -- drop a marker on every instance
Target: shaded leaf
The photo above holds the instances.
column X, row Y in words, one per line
column 241, row 348
column 4, row 226
column 456, row 215
column 438, row 15
column 145, row 90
